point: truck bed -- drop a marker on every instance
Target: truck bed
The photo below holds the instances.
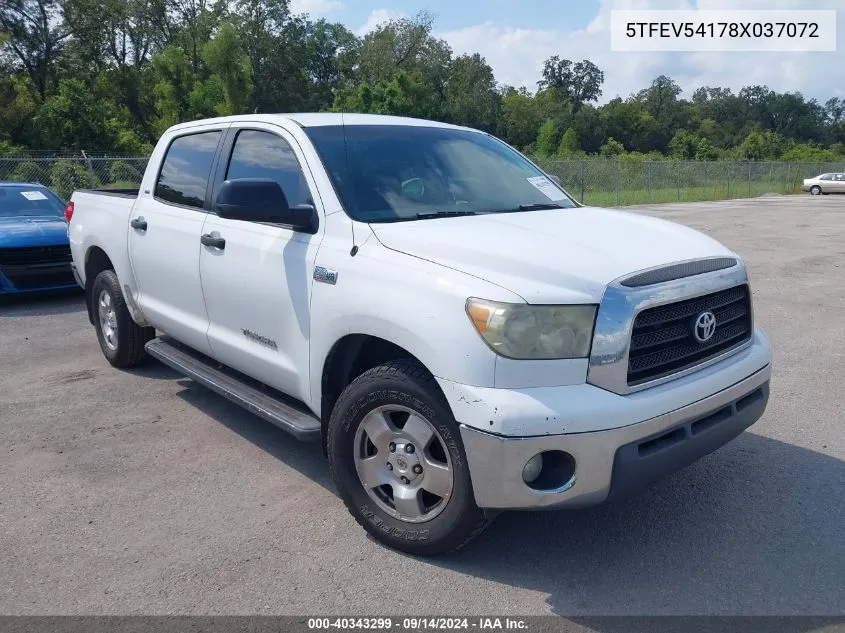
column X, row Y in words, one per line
column 118, row 193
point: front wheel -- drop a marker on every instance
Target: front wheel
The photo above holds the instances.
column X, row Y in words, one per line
column 398, row 461
column 815, row 190
column 121, row 339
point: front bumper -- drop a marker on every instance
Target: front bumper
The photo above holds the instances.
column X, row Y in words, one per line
column 612, row 462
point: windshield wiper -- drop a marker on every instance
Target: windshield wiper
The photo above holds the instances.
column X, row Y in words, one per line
column 443, row 214
column 542, row 206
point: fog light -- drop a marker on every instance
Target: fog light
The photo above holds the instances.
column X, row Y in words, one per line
column 532, row 469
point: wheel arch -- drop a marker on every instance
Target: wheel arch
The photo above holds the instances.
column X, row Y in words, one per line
column 96, row 261
column 349, row 357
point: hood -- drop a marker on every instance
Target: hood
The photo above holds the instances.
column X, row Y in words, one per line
column 17, row 232
column 557, row 256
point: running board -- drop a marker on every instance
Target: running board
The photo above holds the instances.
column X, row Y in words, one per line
column 277, row 409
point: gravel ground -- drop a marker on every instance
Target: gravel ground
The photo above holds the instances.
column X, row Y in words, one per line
column 139, row 492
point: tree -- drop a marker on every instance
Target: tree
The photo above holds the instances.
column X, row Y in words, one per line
column 835, row 109
column 575, row 83
column 520, row 117
column 569, row 144
column 660, row 98
column 75, row 118
column 471, row 96
column 329, row 50
column 688, row 146
column 226, row 57
column 405, row 94
column 612, row 148
column 762, row 145
column 34, row 33
column 548, row 138
column 18, row 105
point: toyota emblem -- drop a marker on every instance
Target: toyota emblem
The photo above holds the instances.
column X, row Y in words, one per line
column 705, row 327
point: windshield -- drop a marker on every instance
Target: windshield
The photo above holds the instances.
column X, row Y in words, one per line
column 19, row 201
column 389, row 173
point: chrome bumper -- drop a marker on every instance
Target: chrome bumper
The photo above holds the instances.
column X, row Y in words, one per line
column 612, row 462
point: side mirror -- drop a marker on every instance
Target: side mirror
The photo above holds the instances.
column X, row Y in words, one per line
column 556, row 179
column 262, row 200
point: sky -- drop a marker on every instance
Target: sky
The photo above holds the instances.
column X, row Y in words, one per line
column 516, row 36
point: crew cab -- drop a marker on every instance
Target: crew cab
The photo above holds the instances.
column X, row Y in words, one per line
column 460, row 334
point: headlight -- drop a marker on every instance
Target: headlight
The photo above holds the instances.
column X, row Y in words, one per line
column 518, row 330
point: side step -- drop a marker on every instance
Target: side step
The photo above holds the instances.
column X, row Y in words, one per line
column 265, row 403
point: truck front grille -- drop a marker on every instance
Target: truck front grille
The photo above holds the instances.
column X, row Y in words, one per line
column 663, row 340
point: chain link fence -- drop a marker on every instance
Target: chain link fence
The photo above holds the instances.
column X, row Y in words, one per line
column 623, row 181
column 63, row 174
column 593, row 181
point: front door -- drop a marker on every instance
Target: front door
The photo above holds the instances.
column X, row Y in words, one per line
column 164, row 240
column 256, row 277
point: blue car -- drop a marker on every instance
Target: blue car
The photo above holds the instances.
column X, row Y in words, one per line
column 34, row 249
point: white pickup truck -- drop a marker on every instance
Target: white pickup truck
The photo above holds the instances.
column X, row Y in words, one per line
column 461, row 335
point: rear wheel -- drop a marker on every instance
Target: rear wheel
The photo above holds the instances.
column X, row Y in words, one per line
column 815, row 190
column 121, row 339
column 398, row 461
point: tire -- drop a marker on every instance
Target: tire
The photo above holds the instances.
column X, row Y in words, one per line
column 815, row 190
column 121, row 339
column 382, row 401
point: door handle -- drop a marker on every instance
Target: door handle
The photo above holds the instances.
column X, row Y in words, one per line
column 139, row 223
column 215, row 242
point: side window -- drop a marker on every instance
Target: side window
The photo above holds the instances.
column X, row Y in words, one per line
column 186, row 169
column 827, row 177
column 259, row 154
column 840, row 177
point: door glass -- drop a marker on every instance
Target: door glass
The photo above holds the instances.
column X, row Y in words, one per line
column 186, row 168
column 264, row 155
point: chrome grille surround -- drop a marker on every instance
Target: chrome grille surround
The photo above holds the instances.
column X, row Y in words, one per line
column 620, row 305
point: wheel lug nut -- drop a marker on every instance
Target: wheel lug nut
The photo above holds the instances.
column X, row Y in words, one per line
column 391, row 447
column 409, row 448
column 418, row 469
column 404, row 480
column 389, row 466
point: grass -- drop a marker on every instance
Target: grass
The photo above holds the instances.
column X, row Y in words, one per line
column 715, row 191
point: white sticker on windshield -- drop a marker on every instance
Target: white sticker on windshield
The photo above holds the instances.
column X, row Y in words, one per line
column 33, row 195
column 547, row 188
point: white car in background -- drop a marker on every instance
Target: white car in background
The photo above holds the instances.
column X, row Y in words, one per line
column 826, row 183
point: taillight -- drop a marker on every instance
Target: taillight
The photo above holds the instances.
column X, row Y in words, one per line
column 69, row 212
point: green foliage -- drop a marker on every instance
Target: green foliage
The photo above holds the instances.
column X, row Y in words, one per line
column 67, row 176
column 30, row 171
column 568, row 146
column 122, row 171
column 112, row 75
column 519, row 119
column 688, row 146
column 548, row 138
column 759, row 145
column 611, row 147
column 471, row 96
column 74, row 118
column 225, row 56
column 404, row 94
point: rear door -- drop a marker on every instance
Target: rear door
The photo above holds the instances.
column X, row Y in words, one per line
column 164, row 237
column 838, row 183
column 257, row 284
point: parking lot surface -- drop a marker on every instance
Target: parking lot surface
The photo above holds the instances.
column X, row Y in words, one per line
column 140, row 492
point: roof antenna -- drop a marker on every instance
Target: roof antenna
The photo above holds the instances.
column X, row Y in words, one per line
column 354, row 250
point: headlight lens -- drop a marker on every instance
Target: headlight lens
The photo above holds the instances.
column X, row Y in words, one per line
column 534, row 332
